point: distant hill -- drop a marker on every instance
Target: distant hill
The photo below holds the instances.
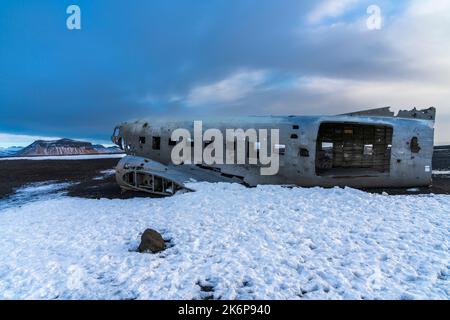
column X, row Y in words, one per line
column 63, row 147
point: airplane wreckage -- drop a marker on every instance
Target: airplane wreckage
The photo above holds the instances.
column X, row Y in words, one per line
column 366, row 149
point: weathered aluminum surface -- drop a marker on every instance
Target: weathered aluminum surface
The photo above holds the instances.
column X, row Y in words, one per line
column 407, row 169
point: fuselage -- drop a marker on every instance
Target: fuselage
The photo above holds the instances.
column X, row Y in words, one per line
column 345, row 150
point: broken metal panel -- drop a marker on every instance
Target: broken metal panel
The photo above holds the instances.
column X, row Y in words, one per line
column 141, row 174
column 425, row 114
column 402, row 158
column 379, row 112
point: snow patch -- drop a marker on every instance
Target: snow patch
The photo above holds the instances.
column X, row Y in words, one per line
column 105, row 174
column 34, row 192
column 230, row 242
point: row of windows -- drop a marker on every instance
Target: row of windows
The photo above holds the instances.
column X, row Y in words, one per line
column 156, row 142
column 368, row 149
column 156, row 145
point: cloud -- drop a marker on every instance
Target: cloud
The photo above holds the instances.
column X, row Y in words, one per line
column 329, row 9
column 228, row 90
column 239, row 57
column 19, row 140
column 427, row 8
column 316, row 95
column 421, row 41
column 405, row 94
column 345, row 95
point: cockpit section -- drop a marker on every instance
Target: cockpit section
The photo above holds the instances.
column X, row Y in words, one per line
column 116, row 138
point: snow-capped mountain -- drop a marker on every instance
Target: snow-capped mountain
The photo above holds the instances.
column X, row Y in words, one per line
column 64, row 147
column 10, row 151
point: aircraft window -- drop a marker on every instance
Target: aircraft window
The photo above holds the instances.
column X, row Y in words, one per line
column 281, row 148
column 304, row 152
column 156, row 143
column 414, row 145
column 172, row 142
column 295, row 127
column 142, row 140
column 129, row 178
column 294, row 136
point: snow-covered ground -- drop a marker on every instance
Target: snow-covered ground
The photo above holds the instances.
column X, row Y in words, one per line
column 267, row 242
column 75, row 157
column 34, row 192
column 105, row 174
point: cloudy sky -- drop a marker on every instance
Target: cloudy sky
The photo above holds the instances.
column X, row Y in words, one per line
column 164, row 58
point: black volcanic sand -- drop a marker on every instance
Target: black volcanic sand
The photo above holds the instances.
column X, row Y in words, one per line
column 441, row 185
column 17, row 173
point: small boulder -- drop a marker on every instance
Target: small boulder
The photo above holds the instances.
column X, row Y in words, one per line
column 151, row 241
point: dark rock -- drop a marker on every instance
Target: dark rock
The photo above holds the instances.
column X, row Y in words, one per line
column 151, row 241
column 206, row 290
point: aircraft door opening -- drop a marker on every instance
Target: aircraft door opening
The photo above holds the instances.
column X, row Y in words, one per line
column 353, row 149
